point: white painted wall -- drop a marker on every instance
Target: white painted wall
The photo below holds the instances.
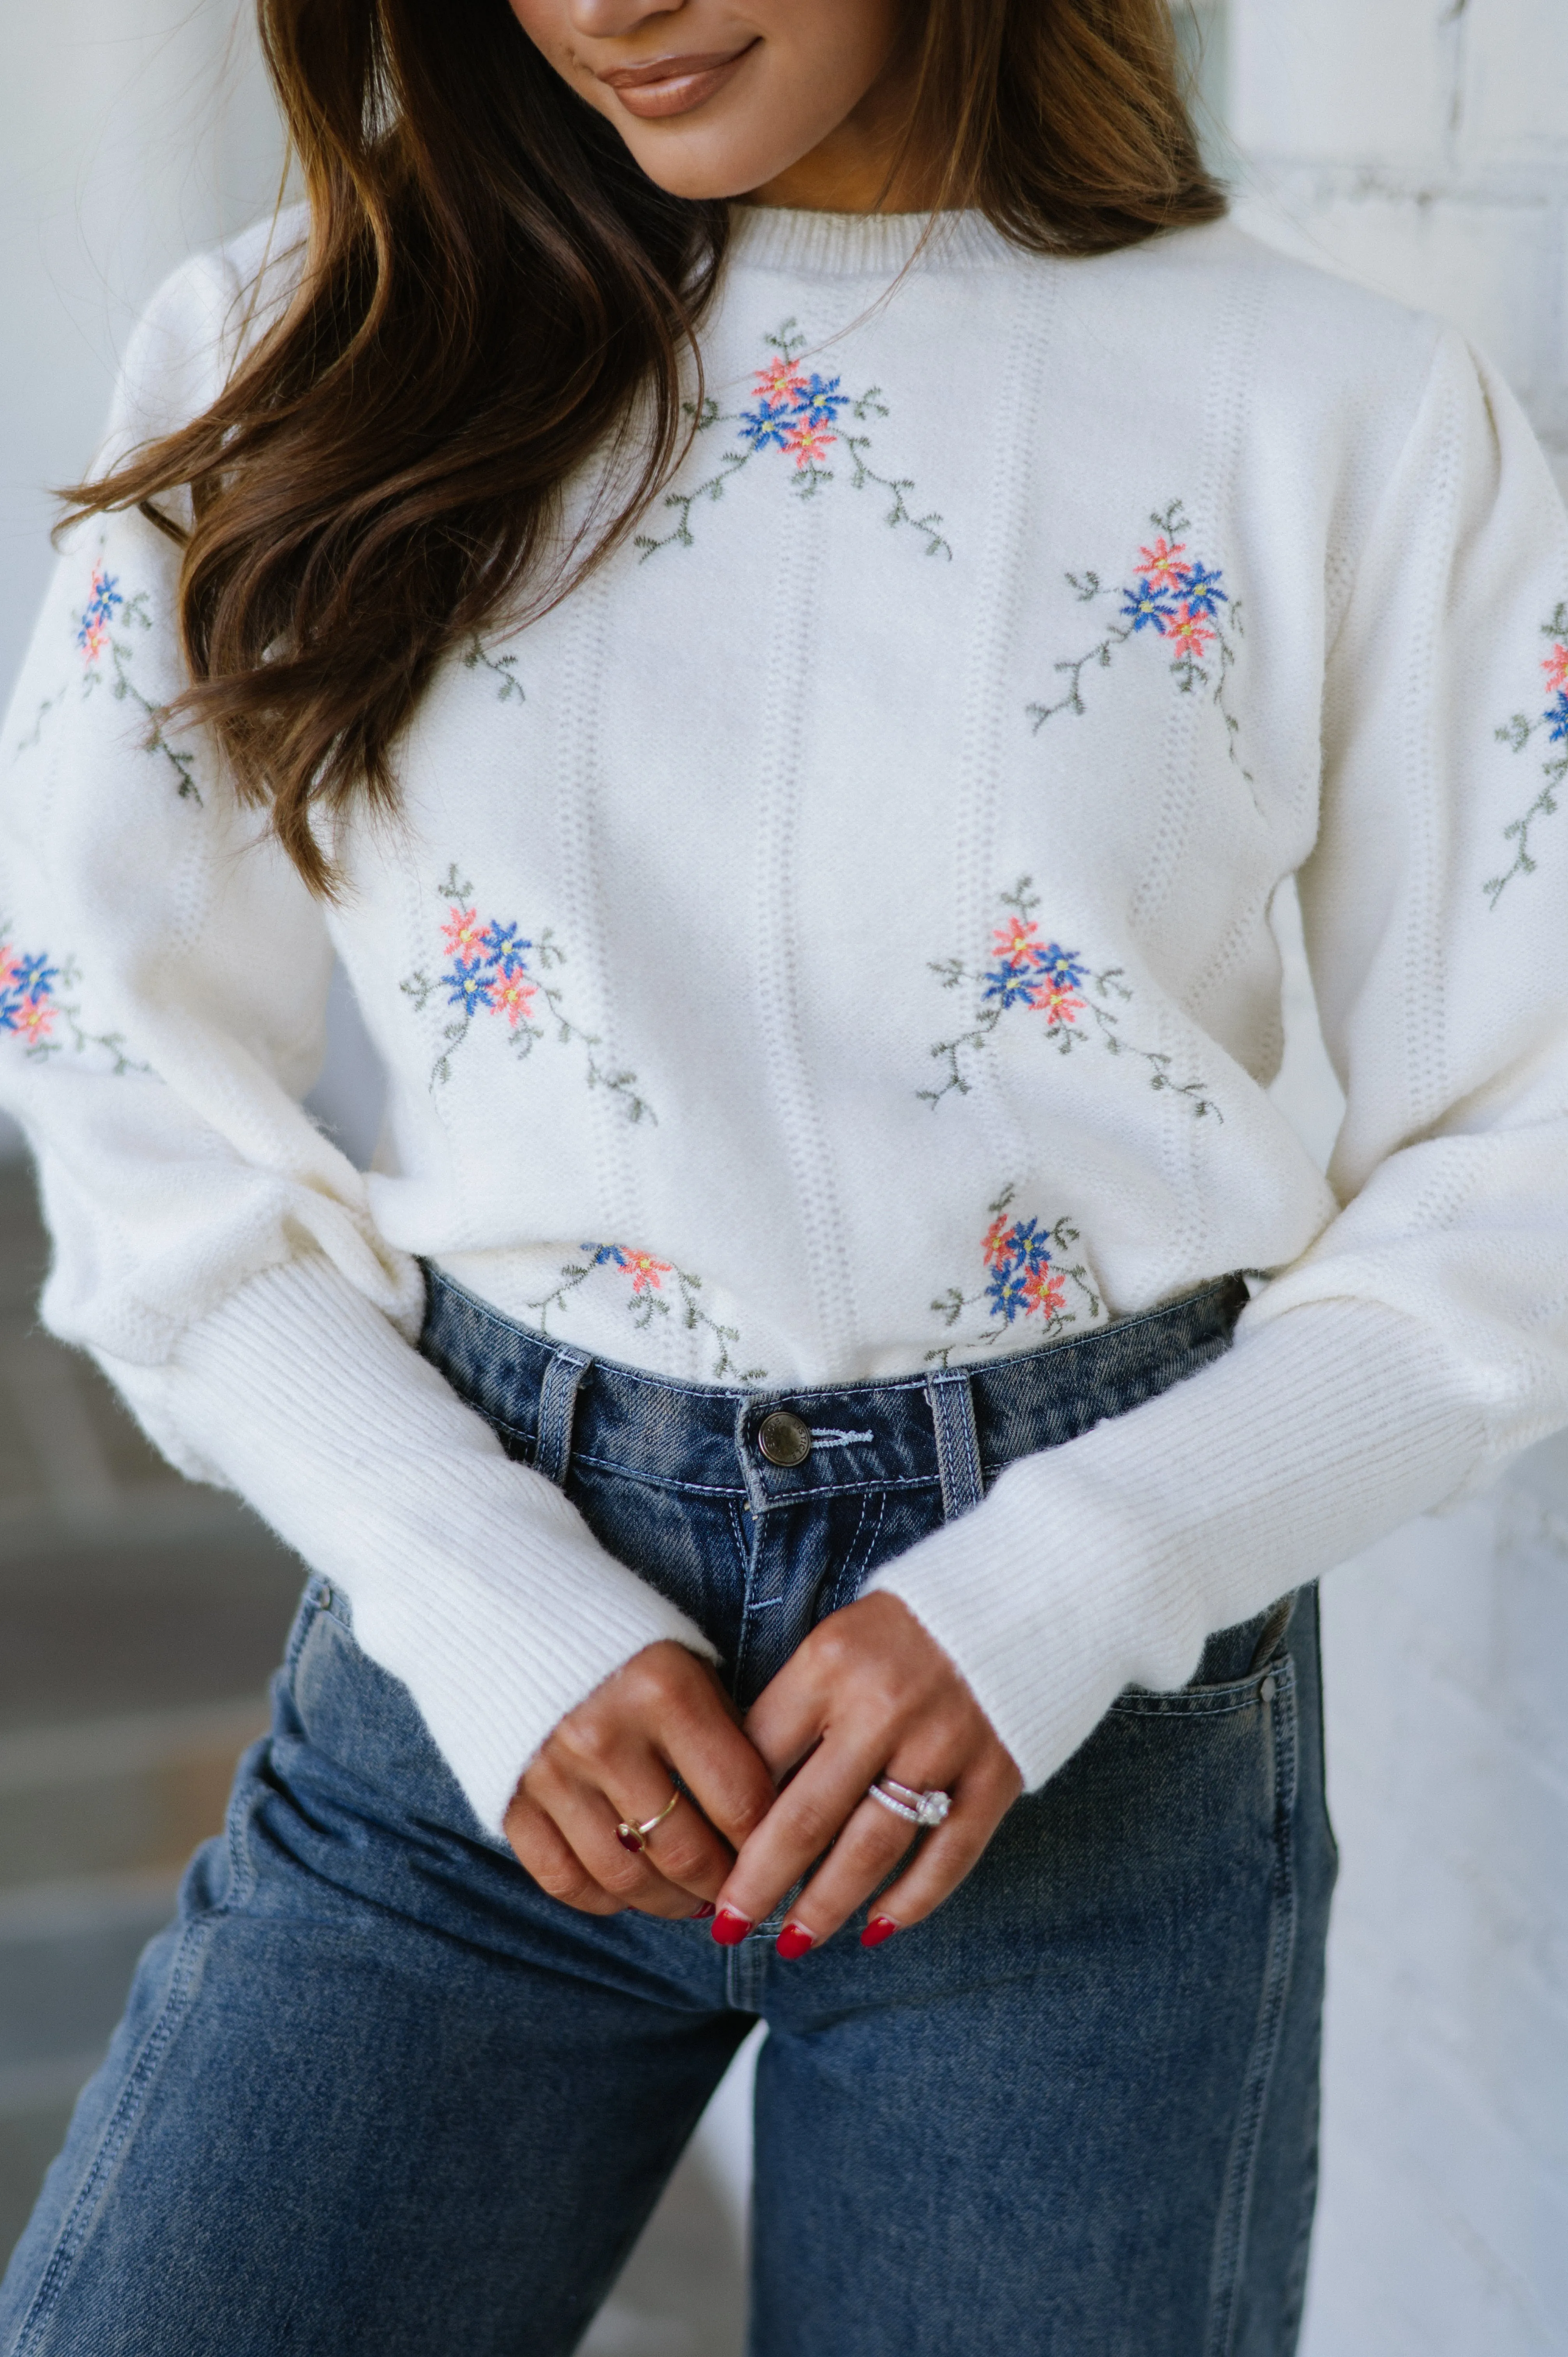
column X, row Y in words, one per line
column 132, row 131
column 1422, row 146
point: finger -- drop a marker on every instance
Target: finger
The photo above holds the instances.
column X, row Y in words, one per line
column 981, row 1801
column 808, row 1813
column 860, row 1861
column 684, row 1719
column 790, row 1714
column 685, row 1849
column 587, row 1817
column 723, row 1771
column 542, row 1852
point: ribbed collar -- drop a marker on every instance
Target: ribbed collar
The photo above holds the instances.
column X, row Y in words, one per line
column 767, row 237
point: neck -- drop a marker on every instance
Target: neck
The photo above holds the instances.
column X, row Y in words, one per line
column 865, row 166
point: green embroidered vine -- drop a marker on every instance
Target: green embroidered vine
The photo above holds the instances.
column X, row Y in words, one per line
column 1519, row 732
column 31, row 1006
column 1077, row 1004
column 105, row 612
column 491, row 969
column 801, row 414
column 476, row 658
column 1027, row 1278
column 1178, row 600
column 647, row 1300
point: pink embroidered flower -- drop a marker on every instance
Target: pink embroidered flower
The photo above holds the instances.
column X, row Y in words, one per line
column 1190, row 633
column 513, row 998
column 1057, row 1003
column 103, row 599
column 998, row 1245
column 810, row 442
column 781, row 380
column 464, row 933
column 646, row 1273
column 10, row 964
column 1045, row 1293
column 1017, row 939
column 1160, row 565
column 1555, row 666
column 34, row 1017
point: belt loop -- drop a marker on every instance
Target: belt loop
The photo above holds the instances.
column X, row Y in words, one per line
column 557, row 1403
column 958, row 1443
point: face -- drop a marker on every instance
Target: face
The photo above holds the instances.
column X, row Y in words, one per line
column 792, row 102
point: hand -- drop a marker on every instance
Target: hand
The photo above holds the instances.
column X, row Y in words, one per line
column 868, row 1693
column 663, row 1713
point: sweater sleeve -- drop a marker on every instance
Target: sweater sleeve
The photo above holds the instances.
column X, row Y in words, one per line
column 163, row 986
column 1423, row 1340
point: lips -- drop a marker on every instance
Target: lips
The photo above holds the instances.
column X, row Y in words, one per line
column 675, row 85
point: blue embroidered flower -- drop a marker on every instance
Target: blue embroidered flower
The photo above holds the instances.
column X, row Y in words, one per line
column 507, row 949
column 1029, row 1245
column 467, row 984
column 35, row 977
column 821, row 400
column 769, row 422
column 103, row 599
column 1201, row 591
column 1556, row 718
column 1008, row 1293
column 1146, row 609
column 1022, row 1281
column 28, row 995
column 1066, row 968
column 646, row 1273
column 794, row 411
column 1012, row 986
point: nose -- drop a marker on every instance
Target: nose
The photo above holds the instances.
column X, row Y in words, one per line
column 609, row 20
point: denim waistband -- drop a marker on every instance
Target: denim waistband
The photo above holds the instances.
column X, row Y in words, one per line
column 954, row 1429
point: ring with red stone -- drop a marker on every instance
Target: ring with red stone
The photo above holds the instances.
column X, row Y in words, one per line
column 635, row 1837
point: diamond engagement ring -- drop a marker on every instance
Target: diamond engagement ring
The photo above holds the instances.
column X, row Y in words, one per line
column 915, row 1808
column 635, row 1837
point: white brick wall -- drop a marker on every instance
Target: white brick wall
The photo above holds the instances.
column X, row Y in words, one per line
column 1422, row 146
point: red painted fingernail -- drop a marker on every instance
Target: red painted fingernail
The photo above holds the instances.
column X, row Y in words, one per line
column 730, row 1928
column 794, row 1940
column 880, row 1928
column 700, row 1914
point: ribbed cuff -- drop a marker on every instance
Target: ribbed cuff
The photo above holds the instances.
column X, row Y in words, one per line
column 1106, row 1563
column 471, row 1578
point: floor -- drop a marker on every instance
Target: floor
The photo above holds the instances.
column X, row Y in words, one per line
column 139, row 1619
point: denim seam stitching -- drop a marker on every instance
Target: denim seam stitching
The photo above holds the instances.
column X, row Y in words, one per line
column 841, row 1591
column 755, row 1394
column 950, row 1395
column 659, row 1480
column 74, row 2234
column 1235, row 2214
column 1207, row 1701
column 806, row 1497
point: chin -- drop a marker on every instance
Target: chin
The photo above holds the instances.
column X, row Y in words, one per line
column 705, row 173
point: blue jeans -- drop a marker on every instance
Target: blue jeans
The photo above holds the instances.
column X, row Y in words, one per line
column 374, row 2091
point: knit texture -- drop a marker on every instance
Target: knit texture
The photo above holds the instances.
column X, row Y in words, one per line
column 835, row 942
column 479, row 1586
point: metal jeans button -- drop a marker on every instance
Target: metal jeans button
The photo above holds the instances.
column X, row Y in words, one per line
column 784, row 1438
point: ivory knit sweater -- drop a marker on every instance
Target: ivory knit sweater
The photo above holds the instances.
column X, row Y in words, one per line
column 837, row 940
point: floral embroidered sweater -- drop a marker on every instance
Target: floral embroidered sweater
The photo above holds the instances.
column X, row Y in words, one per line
column 836, row 942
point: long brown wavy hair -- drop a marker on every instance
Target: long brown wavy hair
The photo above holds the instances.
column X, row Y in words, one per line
column 493, row 292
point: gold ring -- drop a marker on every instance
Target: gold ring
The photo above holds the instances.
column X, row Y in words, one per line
column 635, row 1837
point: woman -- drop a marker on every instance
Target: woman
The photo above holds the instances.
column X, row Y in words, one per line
column 793, row 713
